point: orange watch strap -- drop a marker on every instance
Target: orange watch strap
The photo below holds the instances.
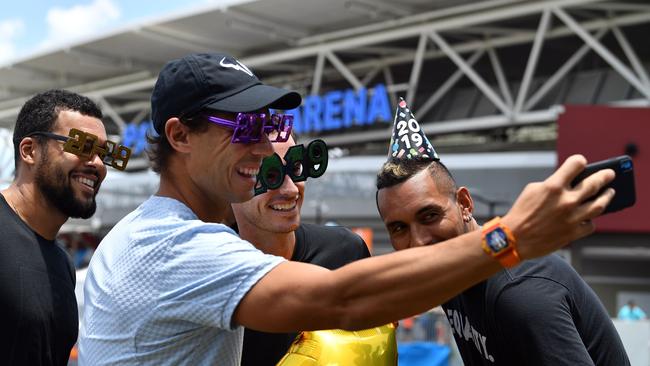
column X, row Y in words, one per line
column 509, row 257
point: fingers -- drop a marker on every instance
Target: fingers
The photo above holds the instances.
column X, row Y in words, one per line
column 592, row 208
column 571, row 167
column 593, row 184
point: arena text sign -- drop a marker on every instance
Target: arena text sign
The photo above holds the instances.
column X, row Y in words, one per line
column 341, row 109
column 335, row 110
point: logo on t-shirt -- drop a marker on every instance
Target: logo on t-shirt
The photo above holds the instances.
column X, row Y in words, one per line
column 463, row 330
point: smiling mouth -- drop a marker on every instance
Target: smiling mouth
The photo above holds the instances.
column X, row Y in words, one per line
column 248, row 172
column 284, row 206
column 86, row 181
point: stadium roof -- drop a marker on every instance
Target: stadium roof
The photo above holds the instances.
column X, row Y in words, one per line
column 506, row 56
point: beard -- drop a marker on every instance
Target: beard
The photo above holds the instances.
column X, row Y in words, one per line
column 57, row 190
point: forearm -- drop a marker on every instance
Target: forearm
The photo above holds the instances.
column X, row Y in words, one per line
column 386, row 288
column 366, row 293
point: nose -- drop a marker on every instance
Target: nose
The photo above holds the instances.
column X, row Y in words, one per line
column 420, row 236
column 96, row 162
column 288, row 187
column 263, row 147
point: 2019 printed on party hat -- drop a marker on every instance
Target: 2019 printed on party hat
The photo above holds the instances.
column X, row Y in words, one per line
column 408, row 140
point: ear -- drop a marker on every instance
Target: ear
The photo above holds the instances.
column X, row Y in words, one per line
column 29, row 149
column 178, row 135
column 465, row 201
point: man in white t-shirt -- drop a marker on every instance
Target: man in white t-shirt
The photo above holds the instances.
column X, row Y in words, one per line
column 170, row 285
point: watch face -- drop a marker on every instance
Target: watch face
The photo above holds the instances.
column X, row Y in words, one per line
column 497, row 240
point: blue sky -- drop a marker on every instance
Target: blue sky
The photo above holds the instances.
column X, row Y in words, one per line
column 30, row 26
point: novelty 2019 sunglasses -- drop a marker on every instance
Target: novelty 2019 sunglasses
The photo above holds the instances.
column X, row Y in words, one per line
column 249, row 127
column 85, row 145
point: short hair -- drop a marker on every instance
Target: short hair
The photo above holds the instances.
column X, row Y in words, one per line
column 396, row 171
column 42, row 110
column 159, row 149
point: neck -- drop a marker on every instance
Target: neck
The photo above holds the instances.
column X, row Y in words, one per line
column 181, row 188
column 280, row 244
column 34, row 209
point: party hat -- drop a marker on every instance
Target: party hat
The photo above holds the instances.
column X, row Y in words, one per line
column 408, row 141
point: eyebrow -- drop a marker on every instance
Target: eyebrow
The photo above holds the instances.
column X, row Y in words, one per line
column 417, row 213
column 392, row 224
column 429, row 208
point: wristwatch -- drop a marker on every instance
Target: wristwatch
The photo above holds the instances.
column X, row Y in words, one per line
column 499, row 242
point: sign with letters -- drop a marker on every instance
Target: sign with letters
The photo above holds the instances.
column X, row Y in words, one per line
column 335, row 110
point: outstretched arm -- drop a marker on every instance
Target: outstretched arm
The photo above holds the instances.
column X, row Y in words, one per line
column 374, row 291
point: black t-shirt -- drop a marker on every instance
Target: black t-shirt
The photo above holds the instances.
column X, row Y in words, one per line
column 538, row 313
column 38, row 310
column 327, row 246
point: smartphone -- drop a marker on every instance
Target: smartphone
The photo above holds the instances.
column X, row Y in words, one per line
column 623, row 184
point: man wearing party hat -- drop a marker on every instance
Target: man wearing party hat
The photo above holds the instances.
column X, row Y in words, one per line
column 538, row 313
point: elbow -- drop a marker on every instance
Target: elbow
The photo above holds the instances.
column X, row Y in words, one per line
column 341, row 312
column 350, row 316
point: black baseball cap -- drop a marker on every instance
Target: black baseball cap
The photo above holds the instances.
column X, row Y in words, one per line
column 215, row 81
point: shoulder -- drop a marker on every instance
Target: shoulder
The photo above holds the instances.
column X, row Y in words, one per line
column 328, row 246
column 167, row 220
column 339, row 235
column 549, row 280
column 551, row 268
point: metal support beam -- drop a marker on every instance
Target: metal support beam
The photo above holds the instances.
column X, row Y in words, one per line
column 560, row 73
column 416, row 69
column 171, row 41
column 108, row 109
column 603, row 52
column 107, row 60
column 375, row 7
column 182, row 36
column 466, row 47
column 501, row 78
column 282, row 29
column 371, row 75
column 140, row 116
column 432, row 129
column 471, row 74
column 447, row 85
column 455, row 11
column 614, row 6
column 520, row 8
column 347, row 74
column 532, row 60
column 631, row 55
column 318, row 73
column 388, row 76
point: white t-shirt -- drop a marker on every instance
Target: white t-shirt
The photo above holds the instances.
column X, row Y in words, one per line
column 162, row 288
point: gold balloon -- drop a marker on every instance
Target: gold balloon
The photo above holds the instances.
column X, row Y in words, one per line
column 368, row 347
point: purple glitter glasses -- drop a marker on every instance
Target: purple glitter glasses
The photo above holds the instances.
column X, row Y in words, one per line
column 249, row 127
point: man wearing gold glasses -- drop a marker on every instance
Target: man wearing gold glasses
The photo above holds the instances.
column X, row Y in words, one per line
column 60, row 151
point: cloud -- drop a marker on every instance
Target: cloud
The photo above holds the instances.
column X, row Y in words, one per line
column 79, row 21
column 9, row 30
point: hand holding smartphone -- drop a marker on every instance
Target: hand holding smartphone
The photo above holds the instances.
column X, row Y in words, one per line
column 623, row 184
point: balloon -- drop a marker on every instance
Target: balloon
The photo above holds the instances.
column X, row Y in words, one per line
column 368, row 347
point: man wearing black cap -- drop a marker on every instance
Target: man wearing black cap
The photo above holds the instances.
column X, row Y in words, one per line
column 170, row 285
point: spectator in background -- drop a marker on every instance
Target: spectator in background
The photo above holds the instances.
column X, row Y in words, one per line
column 631, row 311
